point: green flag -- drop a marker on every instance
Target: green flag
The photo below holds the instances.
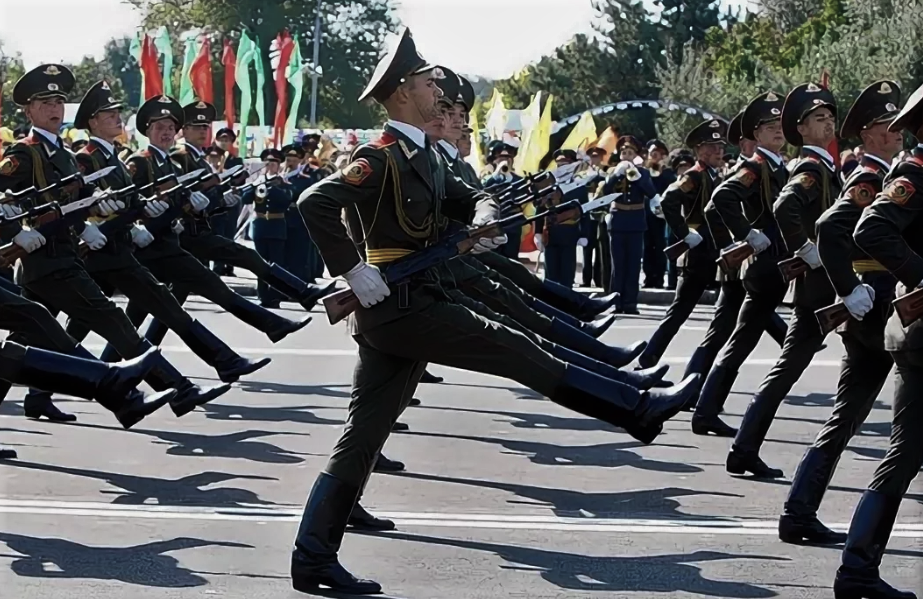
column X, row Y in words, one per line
column 295, row 76
column 245, row 51
column 260, row 83
column 162, row 43
column 134, row 48
column 191, row 50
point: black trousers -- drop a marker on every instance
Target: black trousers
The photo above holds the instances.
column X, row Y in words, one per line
column 655, row 261
column 692, row 284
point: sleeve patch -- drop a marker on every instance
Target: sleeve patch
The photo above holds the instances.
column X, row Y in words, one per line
column 899, row 191
column 804, row 180
column 357, row 172
column 862, row 194
column 9, row 165
column 745, row 177
column 686, row 184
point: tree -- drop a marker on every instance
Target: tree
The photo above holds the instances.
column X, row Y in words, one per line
column 683, row 21
column 124, row 68
column 11, row 69
column 353, row 32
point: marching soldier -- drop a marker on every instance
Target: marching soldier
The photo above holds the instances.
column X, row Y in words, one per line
column 866, row 290
column 808, row 122
column 662, row 176
column 683, row 208
column 561, row 240
column 627, row 222
column 51, row 271
column 398, row 328
column 889, row 232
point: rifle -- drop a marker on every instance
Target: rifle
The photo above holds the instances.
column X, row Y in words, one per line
column 909, row 307
column 54, row 217
column 69, row 183
column 676, row 250
column 343, row 303
column 732, row 257
column 793, row 267
column 831, row 317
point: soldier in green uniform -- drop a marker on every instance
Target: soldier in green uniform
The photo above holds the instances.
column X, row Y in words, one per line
column 808, row 122
column 51, row 271
column 866, row 289
column 397, row 185
column 158, row 119
column 114, row 267
column 890, row 231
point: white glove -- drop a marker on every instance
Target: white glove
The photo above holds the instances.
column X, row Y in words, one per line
column 93, row 236
column 29, row 240
column 808, row 253
column 367, row 283
column 10, row 211
column 486, row 244
column 693, row 238
column 199, row 201
column 860, row 301
column 655, row 207
column 177, row 227
column 231, row 198
column 582, row 242
column 608, row 219
column 141, row 237
column 757, row 240
column 155, row 208
column 622, row 168
column 107, row 206
column 539, row 243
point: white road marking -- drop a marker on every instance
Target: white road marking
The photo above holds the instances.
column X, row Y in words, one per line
column 421, row 519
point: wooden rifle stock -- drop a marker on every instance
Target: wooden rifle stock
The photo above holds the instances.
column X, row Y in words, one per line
column 831, row 317
column 909, row 307
column 339, row 305
column 792, row 268
column 676, row 250
column 733, row 257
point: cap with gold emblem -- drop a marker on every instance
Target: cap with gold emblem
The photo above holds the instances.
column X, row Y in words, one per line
column 157, row 109
column 272, row 154
column 450, row 85
column 800, row 102
column 44, row 81
column 97, row 99
column 293, row 151
column 628, row 141
column 762, row 109
column 878, row 103
column 734, row 129
column 911, row 117
column 401, row 61
column 199, row 113
column 713, row 131
column 656, row 144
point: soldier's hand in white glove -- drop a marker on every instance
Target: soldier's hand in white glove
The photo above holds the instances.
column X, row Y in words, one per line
column 231, row 198
column 107, row 206
column 655, row 207
column 155, row 208
column 860, row 301
column 29, row 240
column 198, row 200
column 622, row 168
column 141, row 237
column 367, row 283
column 538, row 241
column 582, row 242
column 93, row 237
column 693, row 238
column 808, row 253
column 757, row 240
column 486, row 244
column 10, row 211
column 177, row 227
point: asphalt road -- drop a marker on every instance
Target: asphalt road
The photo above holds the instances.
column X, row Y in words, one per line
column 505, row 494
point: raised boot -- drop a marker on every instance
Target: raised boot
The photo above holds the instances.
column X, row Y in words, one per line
column 639, row 379
column 714, row 393
column 869, row 531
column 430, row 378
column 594, row 328
column 799, row 524
column 306, row 294
column 216, row 353
column 575, row 339
column 386, row 465
column 573, row 302
column 189, row 396
column 314, row 558
column 274, row 326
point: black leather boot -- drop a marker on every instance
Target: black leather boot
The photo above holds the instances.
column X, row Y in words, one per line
column 596, row 328
column 38, row 404
column 216, row 353
column 274, row 326
column 799, row 524
column 360, row 519
column 741, row 462
column 869, row 531
column 189, row 396
column 714, row 393
column 314, row 558
column 639, row 379
column 573, row 302
column 414, row 402
column 385, row 465
column 306, row 294
column 430, row 378
column 400, row 427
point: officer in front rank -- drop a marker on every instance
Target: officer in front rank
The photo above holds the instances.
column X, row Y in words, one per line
column 655, row 238
column 628, row 221
column 561, row 240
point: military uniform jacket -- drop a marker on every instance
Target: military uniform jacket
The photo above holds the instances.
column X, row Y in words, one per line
column 812, row 188
column 662, row 179
column 566, row 233
column 148, row 166
column 629, row 212
column 269, row 213
column 403, row 196
column 35, row 161
column 683, row 204
column 188, row 160
column 890, row 231
column 299, row 184
column 118, row 251
column 847, row 266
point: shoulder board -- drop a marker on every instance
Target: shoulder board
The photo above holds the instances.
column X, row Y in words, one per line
column 745, row 176
column 384, row 141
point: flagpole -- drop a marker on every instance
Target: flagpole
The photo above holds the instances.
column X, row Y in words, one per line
column 314, row 73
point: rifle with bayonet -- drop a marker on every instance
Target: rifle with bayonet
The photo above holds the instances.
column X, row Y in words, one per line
column 343, row 303
column 69, row 184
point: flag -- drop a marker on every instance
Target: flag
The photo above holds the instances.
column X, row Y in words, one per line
column 190, row 52
column 496, row 116
column 153, row 83
column 608, row 140
column 476, row 157
column 582, row 135
column 529, row 119
column 245, row 51
column 260, row 82
column 280, row 57
column 165, row 49
column 228, row 60
column 200, row 74
column 296, row 79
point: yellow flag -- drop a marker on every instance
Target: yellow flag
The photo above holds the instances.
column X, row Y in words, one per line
column 475, row 158
column 496, row 116
column 608, row 140
column 531, row 119
column 582, row 135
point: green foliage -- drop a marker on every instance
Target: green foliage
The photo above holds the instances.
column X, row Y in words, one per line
column 11, row 69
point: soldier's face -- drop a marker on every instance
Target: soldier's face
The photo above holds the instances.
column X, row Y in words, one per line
column 107, row 124
column 436, row 127
column 769, row 135
column 272, row 167
column 656, row 157
column 47, row 114
column 464, row 144
column 292, row 162
column 424, row 94
column 881, row 142
column 710, row 154
column 162, row 133
column 628, row 154
column 224, row 142
column 196, row 134
column 455, row 123
column 819, row 126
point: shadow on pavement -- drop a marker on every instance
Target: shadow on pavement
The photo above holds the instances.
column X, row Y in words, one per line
column 536, row 421
column 670, row 573
column 604, row 455
column 143, row 565
column 232, row 445
column 299, row 415
column 288, row 389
